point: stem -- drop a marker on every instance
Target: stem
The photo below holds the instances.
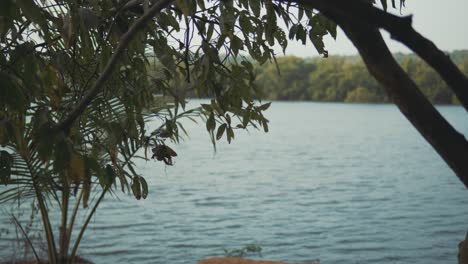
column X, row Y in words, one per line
column 51, row 249
column 72, row 217
column 26, row 237
column 63, row 227
column 85, row 225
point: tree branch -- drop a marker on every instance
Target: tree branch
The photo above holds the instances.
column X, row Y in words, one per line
column 113, row 61
column 429, row 52
column 400, row 29
column 450, row 144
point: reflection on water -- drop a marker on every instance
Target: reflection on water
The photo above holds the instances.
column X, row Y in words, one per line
column 335, row 182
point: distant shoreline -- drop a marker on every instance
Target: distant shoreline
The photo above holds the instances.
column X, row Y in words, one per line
column 346, row 79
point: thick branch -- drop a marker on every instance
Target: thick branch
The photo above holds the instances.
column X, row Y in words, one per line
column 113, row 61
column 451, row 145
column 428, row 51
column 400, row 29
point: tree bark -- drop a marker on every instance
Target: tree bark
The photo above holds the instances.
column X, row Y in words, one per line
column 450, row 144
column 463, row 251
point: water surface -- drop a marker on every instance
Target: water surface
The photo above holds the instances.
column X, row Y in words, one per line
column 341, row 183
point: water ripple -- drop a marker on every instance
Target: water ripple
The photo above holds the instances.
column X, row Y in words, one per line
column 332, row 182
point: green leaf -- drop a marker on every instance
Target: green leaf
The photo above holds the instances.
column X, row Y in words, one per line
column 109, row 177
column 211, row 52
column 384, row 4
column 6, row 161
column 201, row 4
column 301, row 34
column 12, row 95
column 188, row 7
column 164, row 53
column 246, row 119
column 207, row 107
column 88, row 18
column 144, row 186
column 255, row 7
column 317, row 41
column 210, row 123
column 264, row 106
column 92, row 164
column 8, row 13
column 136, row 188
column 230, row 134
column 281, row 38
column 220, row 132
column 248, row 65
column 62, row 154
column 271, row 24
column 265, row 125
column 326, row 23
column 236, row 45
column 292, row 31
column 300, row 14
column 309, row 13
column 210, row 31
column 106, row 53
column 245, row 23
column 77, row 168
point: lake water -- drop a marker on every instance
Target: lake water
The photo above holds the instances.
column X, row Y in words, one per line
column 337, row 182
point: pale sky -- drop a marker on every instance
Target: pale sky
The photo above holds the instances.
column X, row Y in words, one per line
column 445, row 22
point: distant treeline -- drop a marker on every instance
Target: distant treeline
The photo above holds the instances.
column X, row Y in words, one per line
column 346, row 79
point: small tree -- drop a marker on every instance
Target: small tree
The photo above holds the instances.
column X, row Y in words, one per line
column 76, row 92
column 79, row 81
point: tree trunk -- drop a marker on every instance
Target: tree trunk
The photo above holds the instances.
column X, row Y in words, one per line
column 63, row 237
column 450, row 144
column 463, row 251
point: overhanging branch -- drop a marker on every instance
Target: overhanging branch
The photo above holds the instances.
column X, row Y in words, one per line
column 400, row 29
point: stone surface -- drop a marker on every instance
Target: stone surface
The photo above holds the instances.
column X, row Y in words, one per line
column 245, row 261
